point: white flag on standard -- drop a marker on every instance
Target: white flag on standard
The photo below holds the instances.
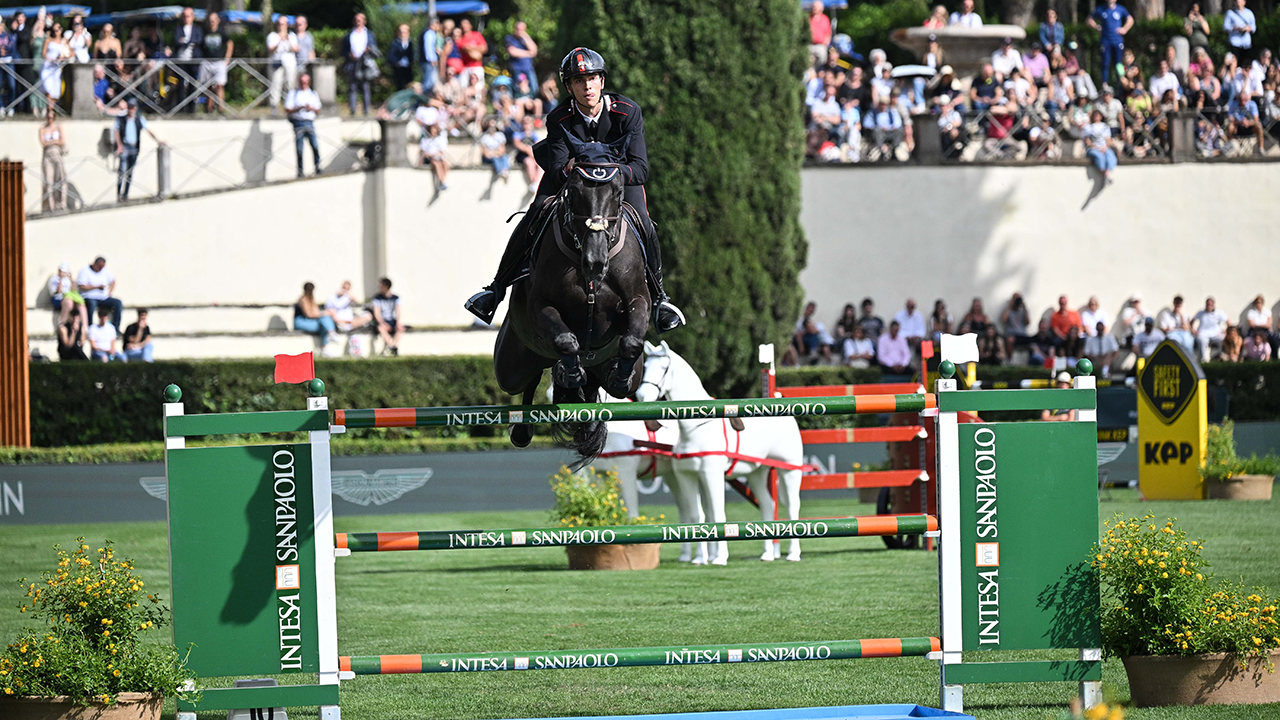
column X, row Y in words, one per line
column 960, row 348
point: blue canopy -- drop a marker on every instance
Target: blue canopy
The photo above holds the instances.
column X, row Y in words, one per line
column 53, row 10
column 443, row 7
column 830, row 4
column 156, row 14
column 246, row 17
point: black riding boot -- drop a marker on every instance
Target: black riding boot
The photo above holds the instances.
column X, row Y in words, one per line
column 485, row 303
column 666, row 316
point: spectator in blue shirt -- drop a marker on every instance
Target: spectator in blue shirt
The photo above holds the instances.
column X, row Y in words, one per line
column 430, row 56
column 1240, row 26
column 522, row 50
column 888, row 132
column 1052, row 34
column 1113, row 21
column 1243, row 117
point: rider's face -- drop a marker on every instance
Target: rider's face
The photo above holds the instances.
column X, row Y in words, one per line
column 587, row 90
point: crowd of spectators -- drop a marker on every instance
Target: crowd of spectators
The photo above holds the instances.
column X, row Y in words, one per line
column 343, row 313
column 860, row 338
column 1039, row 101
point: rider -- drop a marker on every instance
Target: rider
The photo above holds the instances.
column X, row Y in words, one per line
column 591, row 114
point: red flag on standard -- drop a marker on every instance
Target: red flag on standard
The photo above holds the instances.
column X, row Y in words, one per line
column 295, row 368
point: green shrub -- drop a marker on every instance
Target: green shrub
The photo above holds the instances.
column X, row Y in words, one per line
column 1222, row 463
column 869, row 26
column 591, row 498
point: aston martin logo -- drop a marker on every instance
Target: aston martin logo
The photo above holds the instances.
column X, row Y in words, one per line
column 354, row 486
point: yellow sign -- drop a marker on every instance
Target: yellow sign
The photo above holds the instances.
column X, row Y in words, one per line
column 1172, row 425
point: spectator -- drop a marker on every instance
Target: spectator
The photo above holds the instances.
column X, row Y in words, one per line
column 820, row 330
column 187, row 39
column 21, row 31
column 1243, row 116
column 1175, row 326
column 346, row 312
column 549, row 93
column 400, row 55
column 521, row 51
column 1092, row 315
column 938, row 19
column 309, row 318
column 976, row 320
column 991, row 347
column 966, row 17
column 127, row 134
column 64, row 296
column 1176, row 66
column 982, row 93
column 859, row 351
column 1132, row 316
column 1199, row 62
column 306, row 45
column 1232, row 345
column 429, row 55
column 386, row 316
column 527, row 101
column 71, row 338
column 56, row 53
column 523, row 141
column 951, row 127
column 472, row 46
column 1239, row 25
column 137, row 340
column 1112, row 112
column 434, row 141
column 97, row 285
column 939, row 321
column 53, row 172
column 1062, row 382
column 78, row 40
column 819, row 31
column 1041, row 345
column 1256, row 348
column 1113, row 22
column 845, row 324
column 1014, row 320
column 302, row 105
column 8, row 80
column 911, row 322
column 889, row 130
column 893, row 351
column 1197, row 27
column 102, row 339
column 1165, row 81
column 493, row 150
column 826, row 116
column 1082, row 82
column 283, row 48
column 1211, row 140
column 1066, row 325
column 808, row 343
column 883, row 84
column 870, row 322
column 1210, row 327
column 361, row 53
column 107, row 46
column 1005, row 60
column 1258, row 318
column 1035, row 66
column 1101, row 348
column 851, row 130
column 1097, row 137
column 1146, row 341
column 1052, row 33
column 216, row 48
column 103, row 91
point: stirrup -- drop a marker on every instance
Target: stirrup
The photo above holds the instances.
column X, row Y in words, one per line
column 667, row 317
column 483, row 305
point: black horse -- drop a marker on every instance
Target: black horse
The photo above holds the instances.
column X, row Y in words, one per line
column 583, row 310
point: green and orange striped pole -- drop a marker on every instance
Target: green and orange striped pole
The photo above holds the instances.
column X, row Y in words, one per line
column 637, row 657
column 668, row 410
column 873, row 525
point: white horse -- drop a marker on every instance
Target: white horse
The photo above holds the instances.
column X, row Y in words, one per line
column 667, row 376
column 630, row 462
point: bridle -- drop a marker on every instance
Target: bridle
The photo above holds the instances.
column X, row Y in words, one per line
column 662, row 381
column 596, row 173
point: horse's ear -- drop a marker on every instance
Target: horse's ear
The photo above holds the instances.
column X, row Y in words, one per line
column 575, row 145
column 650, row 348
column 665, row 347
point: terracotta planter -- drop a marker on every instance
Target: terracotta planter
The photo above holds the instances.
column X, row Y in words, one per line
column 1241, row 487
column 1214, row 679
column 613, row 557
column 129, row 706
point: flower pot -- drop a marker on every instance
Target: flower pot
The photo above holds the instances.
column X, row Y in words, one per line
column 128, row 706
column 1213, row 679
column 613, row 557
column 1241, row 487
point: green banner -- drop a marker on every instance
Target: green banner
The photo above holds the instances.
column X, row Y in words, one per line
column 1028, row 518
column 242, row 559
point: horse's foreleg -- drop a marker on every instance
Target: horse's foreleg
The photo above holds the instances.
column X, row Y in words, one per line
column 630, row 347
column 522, row 434
column 684, row 486
column 758, row 480
column 568, row 372
column 789, row 496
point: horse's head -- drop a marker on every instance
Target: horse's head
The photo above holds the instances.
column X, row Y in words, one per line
column 594, row 201
column 658, row 378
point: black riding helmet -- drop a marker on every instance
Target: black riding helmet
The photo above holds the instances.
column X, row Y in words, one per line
column 581, row 61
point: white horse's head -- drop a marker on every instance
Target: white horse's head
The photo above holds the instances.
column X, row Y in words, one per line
column 658, row 378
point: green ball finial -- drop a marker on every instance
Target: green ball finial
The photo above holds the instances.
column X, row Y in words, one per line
column 1084, row 366
column 172, row 394
column 316, row 387
column 947, row 369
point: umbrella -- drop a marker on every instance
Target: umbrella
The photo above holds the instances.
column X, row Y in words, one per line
column 911, row 71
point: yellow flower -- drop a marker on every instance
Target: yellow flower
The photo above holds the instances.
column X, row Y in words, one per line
column 116, row 673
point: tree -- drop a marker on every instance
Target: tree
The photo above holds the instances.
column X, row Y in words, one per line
column 719, row 84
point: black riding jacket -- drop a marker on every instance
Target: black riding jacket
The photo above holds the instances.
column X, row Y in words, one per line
column 620, row 116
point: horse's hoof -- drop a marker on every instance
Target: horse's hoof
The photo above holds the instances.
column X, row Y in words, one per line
column 521, row 435
column 767, row 557
column 793, row 557
column 722, row 560
column 698, row 561
column 569, row 380
column 685, row 558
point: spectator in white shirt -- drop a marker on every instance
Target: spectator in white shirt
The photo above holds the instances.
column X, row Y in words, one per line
column 1132, row 316
column 966, row 17
column 912, row 323
column 1175, row 326
column 1005, row 60
column 1210, row 326
column 65, row 297
column 1146, row 341
column 1092, row 315
column 347, row 314
column 851, row 129
column 893, row 351
column 1259, row 318
column 283, row 48
column 810, row 309
column 859, row 350
column 96, row 285
column 434, row 141
column 102, row 339
column 1101, row 348
column 1165, row 80
column 302, row 105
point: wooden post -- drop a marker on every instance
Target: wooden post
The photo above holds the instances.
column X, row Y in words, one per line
column 15, row 393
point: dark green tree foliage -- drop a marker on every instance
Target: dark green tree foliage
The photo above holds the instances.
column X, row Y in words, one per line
column 719, row 82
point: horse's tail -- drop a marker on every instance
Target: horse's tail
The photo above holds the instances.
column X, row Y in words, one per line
column 586, row 439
